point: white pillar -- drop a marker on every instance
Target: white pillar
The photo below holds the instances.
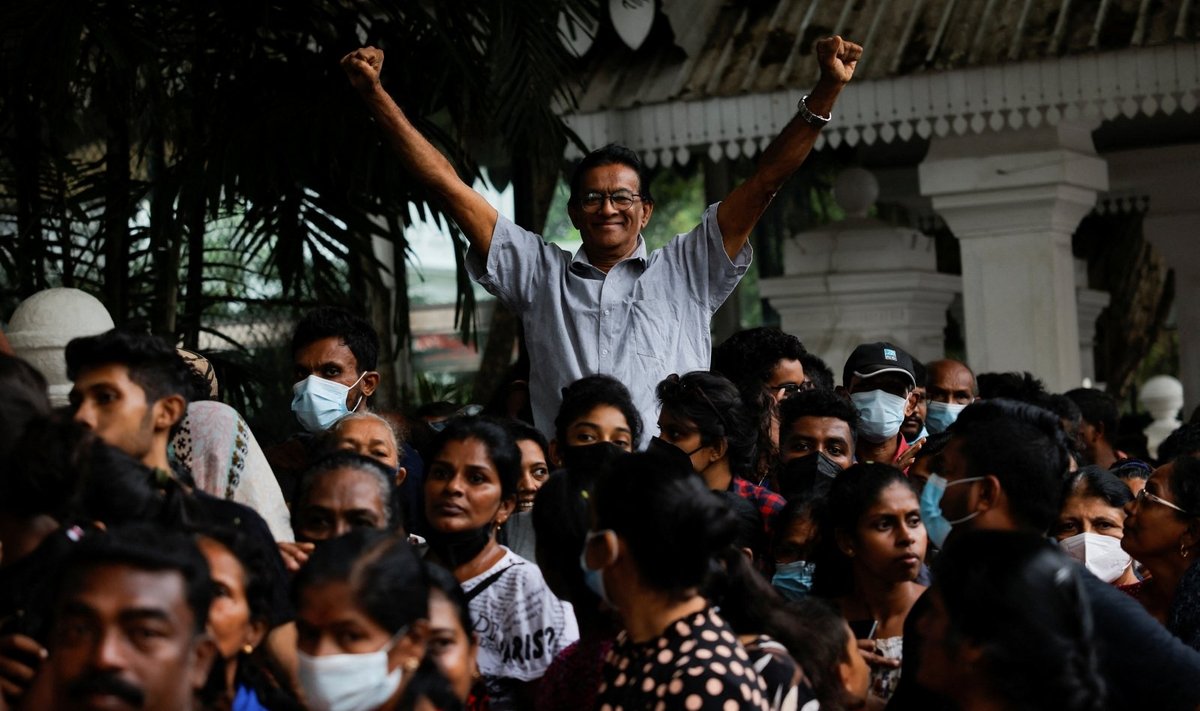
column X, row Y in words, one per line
column 862, row 280
column 1090, row 303
column 1014, row 200
column 1170, row 176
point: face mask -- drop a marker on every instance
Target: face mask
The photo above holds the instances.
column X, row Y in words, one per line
column 931, row 508
column 590, row 457
column 459, row 547
column 794, row 580
column 1102, row 555
column 880, row 414
column 812, row 472
column 940, row 415
column 664, row 448
column 349, row 682
column 318, row 403
column 594, row 579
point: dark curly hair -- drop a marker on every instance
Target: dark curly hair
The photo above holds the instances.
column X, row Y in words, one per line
column 747, row 359
column 713, row 405
column 588, row 393
column 333, row 322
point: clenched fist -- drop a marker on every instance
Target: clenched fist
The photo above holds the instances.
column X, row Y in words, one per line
column 363, row 66
column 837, row 58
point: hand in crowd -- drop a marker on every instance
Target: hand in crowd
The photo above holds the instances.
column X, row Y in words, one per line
column 363, row 67
column 836, row 56
column 870, row 652
column 20, row 659
column 910, row 455
column 295, row 555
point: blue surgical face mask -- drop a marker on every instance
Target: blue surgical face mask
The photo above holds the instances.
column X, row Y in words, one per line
column 318, row 403
column 794, row 580
column 940, row 415
column 880, row 414
column 594, row 579
column 936, row 524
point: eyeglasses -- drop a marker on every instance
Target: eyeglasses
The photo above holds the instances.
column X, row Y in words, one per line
column 620, row 199
column 1143, row 494
column 790, row 389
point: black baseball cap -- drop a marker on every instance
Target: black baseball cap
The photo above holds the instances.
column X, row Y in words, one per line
column 870, row 359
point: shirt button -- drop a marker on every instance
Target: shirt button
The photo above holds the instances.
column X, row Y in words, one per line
column 603, row 352
column 607, row 311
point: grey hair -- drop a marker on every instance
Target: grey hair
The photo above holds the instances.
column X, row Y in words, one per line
column 398, row 434
column 356, row 462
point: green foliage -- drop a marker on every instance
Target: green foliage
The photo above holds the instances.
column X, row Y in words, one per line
column 185, row 160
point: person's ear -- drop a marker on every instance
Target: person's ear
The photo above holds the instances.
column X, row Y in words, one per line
column 168, row 411
column 844, row 543
column 410, row 648
column 401, row 475
column 369, row 383
column 204, row 653
column 1191, row 537
column 507, row 505
column 575, row 214
column 719, row 449
column 647, row 211
column 991, row 493
column 256, row 633
column 555, row 459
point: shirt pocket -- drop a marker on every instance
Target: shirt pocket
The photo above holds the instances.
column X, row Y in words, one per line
column 655, row 327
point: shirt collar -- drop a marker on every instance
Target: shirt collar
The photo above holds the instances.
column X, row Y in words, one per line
column 580, row 263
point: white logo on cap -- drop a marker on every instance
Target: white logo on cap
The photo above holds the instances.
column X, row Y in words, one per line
column 889, row 354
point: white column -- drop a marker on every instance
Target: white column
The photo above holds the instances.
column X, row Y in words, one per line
column 1090, row 303
column 1014, row 200
column 1170, row 176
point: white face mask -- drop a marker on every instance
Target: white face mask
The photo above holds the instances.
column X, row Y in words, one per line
column 1102, row 555
column 318, row 403
column 880, row 414
column 349, row 682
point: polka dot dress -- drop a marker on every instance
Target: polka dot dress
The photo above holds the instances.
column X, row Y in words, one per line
column 696, row 664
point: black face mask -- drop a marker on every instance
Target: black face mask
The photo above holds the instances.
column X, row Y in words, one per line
column 590, row 457
column 663, row 448
column 454, row 549
column 811, row 473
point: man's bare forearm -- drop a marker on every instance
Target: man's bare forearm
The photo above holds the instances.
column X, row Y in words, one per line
column 474, row 216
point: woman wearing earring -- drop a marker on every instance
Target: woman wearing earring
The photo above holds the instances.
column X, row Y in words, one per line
column 470, row 490
column 1162, row 532
column 237, row 621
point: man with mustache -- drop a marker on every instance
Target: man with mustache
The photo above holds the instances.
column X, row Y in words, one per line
column 129, row 621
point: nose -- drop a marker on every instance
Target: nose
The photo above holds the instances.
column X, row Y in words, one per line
column 607, row 206
column 109, row 652
column 340, row 527
column 85, row 415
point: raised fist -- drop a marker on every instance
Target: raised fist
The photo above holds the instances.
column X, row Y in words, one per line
column 837, row 58
column 363, row 66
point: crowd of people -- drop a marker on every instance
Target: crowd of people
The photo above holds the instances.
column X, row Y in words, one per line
column 646, row 522
column 451, row 558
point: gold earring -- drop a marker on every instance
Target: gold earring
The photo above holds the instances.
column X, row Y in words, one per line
column 247, row 648
column 1183, row 551
column 410, row 665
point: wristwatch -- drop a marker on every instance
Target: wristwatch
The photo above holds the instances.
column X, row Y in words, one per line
column 812, row 119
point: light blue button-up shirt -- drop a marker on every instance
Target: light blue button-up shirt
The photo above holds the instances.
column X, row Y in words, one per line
column 647, row 318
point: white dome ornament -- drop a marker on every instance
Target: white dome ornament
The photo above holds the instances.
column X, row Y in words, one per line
column 43, row 324
column 632, row 19
column 1162, row 397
